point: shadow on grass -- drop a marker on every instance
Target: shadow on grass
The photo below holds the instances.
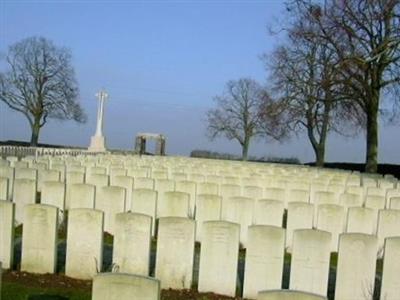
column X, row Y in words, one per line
column 46, row 297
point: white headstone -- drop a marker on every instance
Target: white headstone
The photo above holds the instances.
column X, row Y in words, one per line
column 95, row 170
column 173, row 204
column 309, row 267
column 179, row 176
column 253, row 192
column 288, row 295
column 300, row 216
column 159, row 175
column 325, row 198
column 175, row 251
column 84, row 243
column 188, row 187
column 20, row 164
column 336, row 189
column 8, row 172
column 395, row 203
column 358, row 190
column 144, row 201
column 214, row 179
column 301, row 185
column 4, row 163
column 264, row 259
column 391, row 269
column 296, row 195
column 74, row 177
column 25, row 173
column 229, row 190
column 350, row 200
column 53, row 193
column 117, row 286
column 81, row 195
column 47, row 175
column 219, row 257
column 331, row 218
column 60, row 167
column 208, row 208
column 269, row 212
column 98, row 180
column 275, row 194
column 125, row 182
column 7, row 210
column 132, row 238
column 196, row 177
column 386, row 183
column 208, row 188
column 231, row 180
column 75, row 169
column 316, row 187
column 368, row 182
column 138, row 173
column 375, row 202
column 24, row 193
column 355, row 276
column 110, row 200
column 361, row 220
column 391, row 193
column 376, row 191
column 117, row 171
column 4, row 188
column 143, row 183
column 162, row 186
column 388, row 225
column 39, row 255
column 239, row 210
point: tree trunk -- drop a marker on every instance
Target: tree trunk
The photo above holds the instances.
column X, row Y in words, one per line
column 245, row 149
column 320, row 155
column 318, row 147
column 35, row 133
column 371, row 165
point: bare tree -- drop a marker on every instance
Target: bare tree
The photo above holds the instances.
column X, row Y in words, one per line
column 295, row 82
column 365, row 37
column 304, row 80
column 237, row 115
column 40, row 83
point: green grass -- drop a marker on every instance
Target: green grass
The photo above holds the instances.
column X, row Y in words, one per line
column 15, row 291
column 108, row 239
column 18, row 231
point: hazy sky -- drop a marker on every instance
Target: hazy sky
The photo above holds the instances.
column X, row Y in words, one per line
column 161, row 63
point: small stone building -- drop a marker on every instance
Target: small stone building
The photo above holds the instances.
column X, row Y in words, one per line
column 140, row 143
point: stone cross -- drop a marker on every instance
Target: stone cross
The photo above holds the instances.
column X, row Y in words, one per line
column 102, row 96
column 97, row 142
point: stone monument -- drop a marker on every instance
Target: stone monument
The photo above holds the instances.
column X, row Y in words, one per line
column 140, row 143
column 97, row 142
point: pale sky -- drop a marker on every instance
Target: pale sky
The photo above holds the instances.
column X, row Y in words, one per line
column 161, row 63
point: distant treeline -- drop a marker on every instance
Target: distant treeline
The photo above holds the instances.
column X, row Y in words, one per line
column 382, row 168
column 229, row 156
column 28, row 144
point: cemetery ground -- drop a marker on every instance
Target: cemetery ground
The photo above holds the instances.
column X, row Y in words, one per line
column 22, row 286
column 18, row 285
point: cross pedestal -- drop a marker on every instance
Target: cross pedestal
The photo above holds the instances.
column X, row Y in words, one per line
column 97, row 144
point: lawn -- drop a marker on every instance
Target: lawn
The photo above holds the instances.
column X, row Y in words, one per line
column 16, row 291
